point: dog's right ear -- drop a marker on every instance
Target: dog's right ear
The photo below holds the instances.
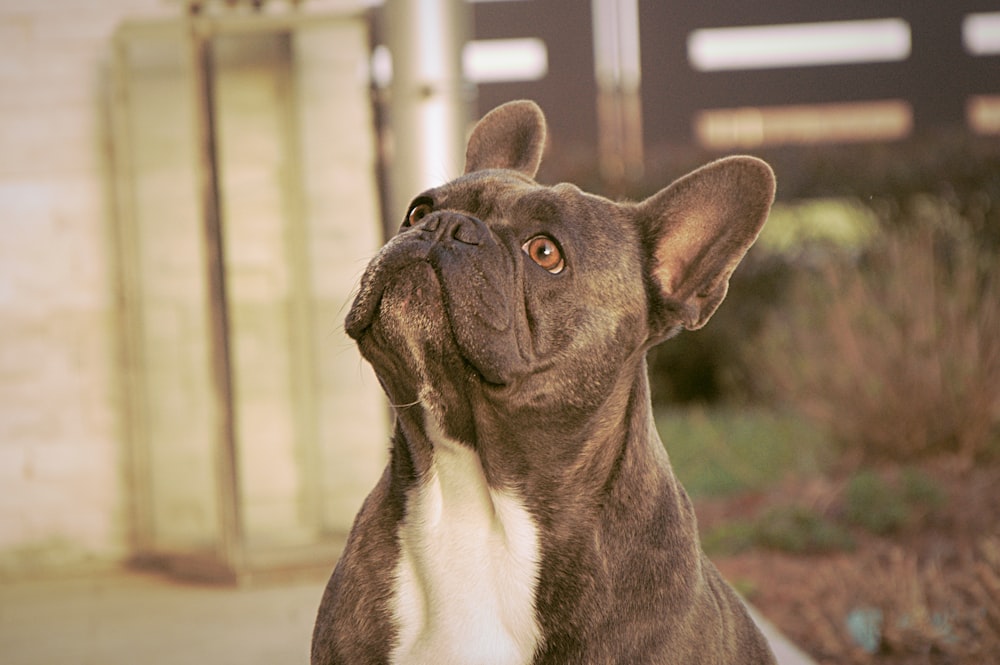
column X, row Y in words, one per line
column 511, row 136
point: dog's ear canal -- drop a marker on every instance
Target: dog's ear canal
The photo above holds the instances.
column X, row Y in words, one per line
column 511, row 136
column 699, row 229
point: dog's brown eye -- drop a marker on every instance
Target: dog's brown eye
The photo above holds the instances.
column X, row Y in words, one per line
column 417, row 212
column 544, row 251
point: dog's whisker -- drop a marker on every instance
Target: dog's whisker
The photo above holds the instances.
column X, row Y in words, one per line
column 405, row 406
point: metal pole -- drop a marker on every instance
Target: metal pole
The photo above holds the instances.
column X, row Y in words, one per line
column 231, row 544
column 429, row 100
column 619, row 106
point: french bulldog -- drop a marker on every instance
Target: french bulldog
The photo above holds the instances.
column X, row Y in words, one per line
column 528, row 513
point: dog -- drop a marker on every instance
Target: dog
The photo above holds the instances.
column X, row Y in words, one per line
column 528, row 513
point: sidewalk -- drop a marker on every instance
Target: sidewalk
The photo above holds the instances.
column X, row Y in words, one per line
column 128, row 618
column 785, row 652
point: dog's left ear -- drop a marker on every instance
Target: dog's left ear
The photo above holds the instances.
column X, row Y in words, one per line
column 511, row 136
column 699, row 229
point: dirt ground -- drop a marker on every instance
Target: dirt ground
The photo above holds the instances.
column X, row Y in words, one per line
column 926, row 590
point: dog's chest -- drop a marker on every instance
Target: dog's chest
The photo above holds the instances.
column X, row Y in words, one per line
column 466, row 578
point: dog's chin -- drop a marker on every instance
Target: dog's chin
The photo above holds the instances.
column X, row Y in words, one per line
column 403, row 329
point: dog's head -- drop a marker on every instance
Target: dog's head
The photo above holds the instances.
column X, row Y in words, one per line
column 500, row 286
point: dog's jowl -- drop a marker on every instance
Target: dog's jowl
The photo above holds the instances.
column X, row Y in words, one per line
column 529, row 513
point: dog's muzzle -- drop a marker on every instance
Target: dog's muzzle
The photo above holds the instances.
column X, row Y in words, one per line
column 478, row 286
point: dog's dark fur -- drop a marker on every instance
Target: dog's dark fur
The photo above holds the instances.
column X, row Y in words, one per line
column 543, row 376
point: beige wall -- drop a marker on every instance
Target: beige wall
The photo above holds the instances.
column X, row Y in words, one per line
column 69, row 489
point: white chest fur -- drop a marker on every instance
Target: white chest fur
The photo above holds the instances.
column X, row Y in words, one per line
column 468, row 568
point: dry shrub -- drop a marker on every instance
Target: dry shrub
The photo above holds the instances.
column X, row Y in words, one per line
column 890, row 606
column 897, row 353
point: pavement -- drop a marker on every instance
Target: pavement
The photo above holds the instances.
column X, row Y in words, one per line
column 127, row 617
column 785, row 652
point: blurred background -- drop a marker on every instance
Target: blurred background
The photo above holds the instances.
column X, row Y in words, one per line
column 189, row 192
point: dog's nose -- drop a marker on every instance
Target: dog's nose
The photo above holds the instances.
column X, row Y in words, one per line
column 445, row 226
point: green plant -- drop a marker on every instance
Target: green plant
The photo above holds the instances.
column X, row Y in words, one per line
column 792, row 529
column 872, row 503
column 920, row 490
column 723, row 451
column 883, row 505
column 730, row 538
column 799, row 530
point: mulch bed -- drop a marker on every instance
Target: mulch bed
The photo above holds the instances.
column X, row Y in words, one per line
column 928, row 592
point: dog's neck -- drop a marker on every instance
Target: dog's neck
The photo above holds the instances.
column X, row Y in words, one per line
column 468, row 566
column 553, row 464
column 478, row 525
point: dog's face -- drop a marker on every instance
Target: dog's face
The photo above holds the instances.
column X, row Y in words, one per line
column 498, row 284
column 535, row 300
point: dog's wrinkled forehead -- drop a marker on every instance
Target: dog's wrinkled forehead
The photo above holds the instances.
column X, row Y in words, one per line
column 511, row 203
column 486, row 195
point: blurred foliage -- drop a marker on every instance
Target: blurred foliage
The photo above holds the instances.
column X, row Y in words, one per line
column 881, row 503
column 895, row 350
column 873, row 504
column 793, row 529
column 911, row 611
column 843, row 223
column 801, row 530
column 836, row 205
column 721, row 452
column 884, row 505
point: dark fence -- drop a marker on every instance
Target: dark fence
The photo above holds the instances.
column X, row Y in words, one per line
column 933, row 84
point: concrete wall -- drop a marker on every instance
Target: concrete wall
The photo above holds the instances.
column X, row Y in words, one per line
column 79, row 483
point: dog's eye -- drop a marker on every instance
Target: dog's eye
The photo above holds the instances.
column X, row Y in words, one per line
column 544, row 251
column 418, row 211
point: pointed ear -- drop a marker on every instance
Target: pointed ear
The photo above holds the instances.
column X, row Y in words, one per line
column 700, row 227
column 511, row 136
